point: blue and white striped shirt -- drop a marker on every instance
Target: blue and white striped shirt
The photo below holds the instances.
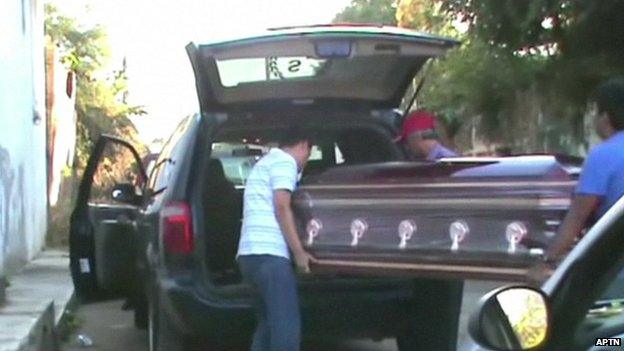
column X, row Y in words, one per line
column 260, row 233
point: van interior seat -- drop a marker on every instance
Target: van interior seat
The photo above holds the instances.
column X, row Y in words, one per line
column 223, row 213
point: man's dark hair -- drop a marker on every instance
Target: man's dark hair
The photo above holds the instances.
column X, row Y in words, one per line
column 609, row 97
column 293, row 135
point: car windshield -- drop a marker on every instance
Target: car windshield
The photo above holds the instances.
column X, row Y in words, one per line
column 611, row 302
column 238, row 159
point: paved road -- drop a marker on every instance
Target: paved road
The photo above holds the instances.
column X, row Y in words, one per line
column 112, row 329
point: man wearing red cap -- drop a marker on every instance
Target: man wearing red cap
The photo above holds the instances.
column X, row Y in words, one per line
column 420, row 136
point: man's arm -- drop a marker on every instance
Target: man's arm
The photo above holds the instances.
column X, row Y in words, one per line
column 591, row 187
column 286, row 220
column 575, row 220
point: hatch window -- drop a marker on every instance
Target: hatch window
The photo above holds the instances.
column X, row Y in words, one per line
column 233, row 72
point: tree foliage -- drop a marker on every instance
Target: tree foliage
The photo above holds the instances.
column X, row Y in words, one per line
column 548, row 54
column 477, row 79
column 100, row 108
column 581, row 39
column 369, row 11
column 427, row 16
column 100, row 103
column 563, row 48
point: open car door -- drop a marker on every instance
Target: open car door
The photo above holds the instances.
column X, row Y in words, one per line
column 103, row 237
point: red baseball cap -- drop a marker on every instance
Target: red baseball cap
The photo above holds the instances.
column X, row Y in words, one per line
column 417, row 121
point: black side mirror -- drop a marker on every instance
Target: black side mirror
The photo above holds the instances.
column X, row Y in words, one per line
column 126, row 193
column 512, row 318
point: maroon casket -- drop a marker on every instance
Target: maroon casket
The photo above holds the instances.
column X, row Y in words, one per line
column 456, row 218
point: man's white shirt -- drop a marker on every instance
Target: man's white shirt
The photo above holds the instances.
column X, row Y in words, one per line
column 261, row 233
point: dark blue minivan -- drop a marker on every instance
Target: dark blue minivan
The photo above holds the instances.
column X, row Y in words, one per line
column 167, row 240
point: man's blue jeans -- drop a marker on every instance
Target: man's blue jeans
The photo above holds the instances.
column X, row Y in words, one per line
column 276, row 302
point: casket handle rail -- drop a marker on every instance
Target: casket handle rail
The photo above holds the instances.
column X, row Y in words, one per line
column 406, row 230
column 359, row 226
column 422, row 269
column 458, row 231
column 313, row 229
column 515, row 233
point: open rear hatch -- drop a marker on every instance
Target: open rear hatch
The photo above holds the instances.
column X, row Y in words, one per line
column 329, row 66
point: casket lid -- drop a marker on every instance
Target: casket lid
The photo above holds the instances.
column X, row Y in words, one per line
column 455, row 169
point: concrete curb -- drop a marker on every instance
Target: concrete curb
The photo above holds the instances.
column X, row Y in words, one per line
column 34, row 315
column 40, row 335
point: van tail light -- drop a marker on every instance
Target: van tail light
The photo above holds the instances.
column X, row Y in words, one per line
column 177, row 228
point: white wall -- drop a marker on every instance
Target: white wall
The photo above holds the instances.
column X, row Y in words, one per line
column 61, row 122
column 23, row 212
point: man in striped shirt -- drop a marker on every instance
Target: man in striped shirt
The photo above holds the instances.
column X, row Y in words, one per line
column 269, row 237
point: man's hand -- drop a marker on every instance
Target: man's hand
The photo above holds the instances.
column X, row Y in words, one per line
column 303, row 260
column 575, row 220
column 286, row 220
